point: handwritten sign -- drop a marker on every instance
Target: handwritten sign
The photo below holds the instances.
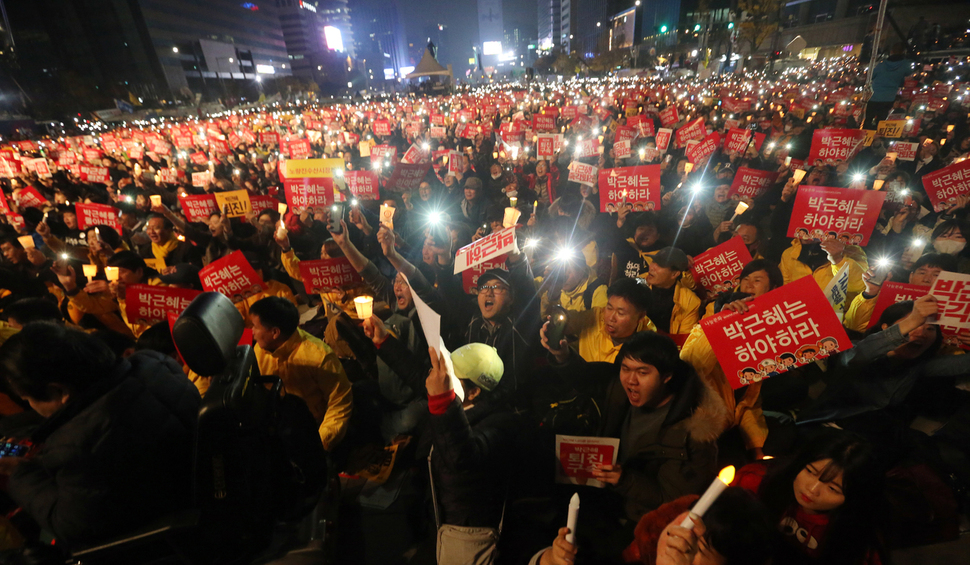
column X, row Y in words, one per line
column 323, row 275
column 149, row 305
column 943, row 186
column 582, row 173
column 783, row 329
column 751, row 183
column 579, row 456
column 822, row 212
column 232, row 276
column 718, row 269
column 639, row 186
column 488, row 247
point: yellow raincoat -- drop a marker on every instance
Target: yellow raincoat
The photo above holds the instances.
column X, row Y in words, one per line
column 594, row 343
column 311, row 370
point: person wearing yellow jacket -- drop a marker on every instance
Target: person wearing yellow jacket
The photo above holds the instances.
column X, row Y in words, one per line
column 674, row 308
column 579, row 289
column 602, row 331
column 99, row 298
column 924, row 273
column 757, row 278
column 344, row 299
column 308, row 367
column 823, row 261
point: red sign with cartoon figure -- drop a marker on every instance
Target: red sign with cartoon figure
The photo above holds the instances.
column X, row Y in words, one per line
column 639, row 186
column 822, row 212
column 788, row 327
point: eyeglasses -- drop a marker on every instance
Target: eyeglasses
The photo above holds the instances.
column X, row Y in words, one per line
column 497, row 289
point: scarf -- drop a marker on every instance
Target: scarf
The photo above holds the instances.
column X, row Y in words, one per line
column 164, row 250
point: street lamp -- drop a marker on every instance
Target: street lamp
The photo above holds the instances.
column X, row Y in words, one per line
column 175, row 49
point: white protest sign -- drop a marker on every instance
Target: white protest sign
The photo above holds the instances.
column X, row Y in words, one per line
column 486, row 248
column 431, row 325
column 952, row 291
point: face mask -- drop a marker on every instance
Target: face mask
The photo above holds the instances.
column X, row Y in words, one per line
column 948, row 246
column 787, row 129
column 895, row 185
column 496, row 176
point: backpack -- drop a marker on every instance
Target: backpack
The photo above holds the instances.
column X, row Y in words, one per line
column 590, row 290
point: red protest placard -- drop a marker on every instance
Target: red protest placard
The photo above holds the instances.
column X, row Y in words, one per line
column 783, row 329
column 95, row 174
column 663, row 138
column 579, row 456
column 488, row 247
column 4, row 207
column 198, row 208
column 692, row 131
column 382, row 128
column 669, row 116
column 834, row 145
column 943, row 186
column 268, row 138
column 751, row 183
column 91, row 154
column 30, row 198
column 582, row 173
column 737, row 140
column 387, row 153
column 299, row 149
column 643, row 125
column 407, row 176
column 362, row 184
column 587, row 148
column 261, row 202
column 201, row 179
column 543, row 123
column 895, row 292
column 718, row 269
column 89, row 215
column 640, row 186
column 182, row 141
column 149, row 305
column 323, row 275
column 199, row 158
column 548, row 144
column 415, row 154
column 308, row 192
column 905, row 151
column 705, row 148
column 232, row 276
column 823, row 211
column 469, row 277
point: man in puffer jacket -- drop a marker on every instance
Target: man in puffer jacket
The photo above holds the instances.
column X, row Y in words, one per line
column 116, row 443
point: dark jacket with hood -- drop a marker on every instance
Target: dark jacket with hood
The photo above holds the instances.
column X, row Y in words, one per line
column 116, row 456
column 681, row 460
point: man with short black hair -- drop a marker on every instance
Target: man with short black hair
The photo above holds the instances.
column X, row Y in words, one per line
column 673, row 307
column 165, row 248
column 308, row 367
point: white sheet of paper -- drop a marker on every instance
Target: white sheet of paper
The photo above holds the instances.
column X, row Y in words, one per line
column 431, row 324
column 952, row 292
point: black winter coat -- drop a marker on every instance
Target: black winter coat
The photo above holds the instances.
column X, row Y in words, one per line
column 116, row 456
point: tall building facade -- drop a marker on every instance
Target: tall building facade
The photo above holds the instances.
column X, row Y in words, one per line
column 549, row 25
column 380, row 38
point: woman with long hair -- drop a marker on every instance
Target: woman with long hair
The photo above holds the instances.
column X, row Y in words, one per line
column 826, row 500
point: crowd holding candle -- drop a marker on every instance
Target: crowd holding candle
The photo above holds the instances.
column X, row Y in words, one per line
column 399, row 284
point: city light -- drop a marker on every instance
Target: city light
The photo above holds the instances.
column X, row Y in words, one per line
column 334, row 39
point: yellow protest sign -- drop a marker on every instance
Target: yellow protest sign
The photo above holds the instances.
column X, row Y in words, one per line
column 632, row 111
column 870, row 134
column 310, row 168
column 891, row 128
column 236, row 200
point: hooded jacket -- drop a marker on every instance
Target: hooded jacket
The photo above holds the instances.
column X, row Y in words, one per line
column 116, row 456
column 683, row 458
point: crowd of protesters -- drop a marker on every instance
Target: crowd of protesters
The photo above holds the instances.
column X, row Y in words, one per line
column 589, row 326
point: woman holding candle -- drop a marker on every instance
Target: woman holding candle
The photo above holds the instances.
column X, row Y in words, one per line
column 826, row 500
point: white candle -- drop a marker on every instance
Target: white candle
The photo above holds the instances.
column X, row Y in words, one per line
column 572, row 518
column 798, row 175
column 724, row 478
column 742, row 206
